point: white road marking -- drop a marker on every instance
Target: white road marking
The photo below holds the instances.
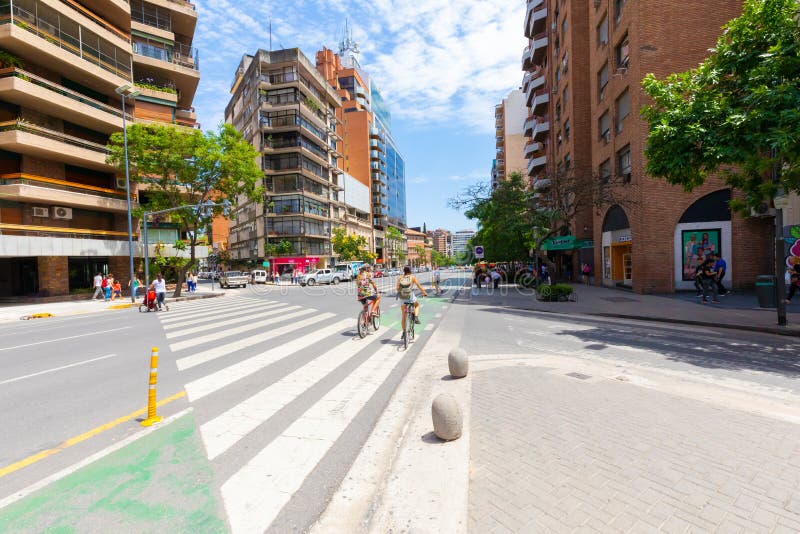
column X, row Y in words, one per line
column 438, row 315
column 209, row 384
column 255, row 494
column 53, row 370
column 428, row 327
column 64, row 338
column 228, row 348
column 244, row 326
column 89, row 460
column 178, row 314
column 222, row 432
column 199, row 318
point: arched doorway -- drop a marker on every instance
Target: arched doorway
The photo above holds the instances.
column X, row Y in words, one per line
column 617, row 248
column 704, row 228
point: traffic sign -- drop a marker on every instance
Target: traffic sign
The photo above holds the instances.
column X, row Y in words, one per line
column 265, row 263
column 478, row 252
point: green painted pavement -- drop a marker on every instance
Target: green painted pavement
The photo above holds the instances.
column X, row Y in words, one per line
column 161, row 482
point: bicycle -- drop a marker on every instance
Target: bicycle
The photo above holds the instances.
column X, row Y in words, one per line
column 372, row 315
column 409, row 331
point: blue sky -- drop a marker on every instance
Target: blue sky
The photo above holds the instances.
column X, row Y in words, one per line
column 441, row 66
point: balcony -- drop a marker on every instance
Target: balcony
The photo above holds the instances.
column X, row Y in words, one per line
column 541, row 184
column 531, row 147
column 184, row 15
column 534, row 164
column 27, row 138
column 80, row 54
column 540, row 130
column 539, row 48
column 527, row 62
column 532, row 6
column 376, row 144
column 375, row 133
column 29, row 90
column 540, row 101
column 538, row 21
column 22, row 187
column 178, row 62
column 536, row 83
column 529, row 126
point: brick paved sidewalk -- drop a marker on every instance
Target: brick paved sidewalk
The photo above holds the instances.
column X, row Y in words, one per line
column 558, row 453
column 739, row 311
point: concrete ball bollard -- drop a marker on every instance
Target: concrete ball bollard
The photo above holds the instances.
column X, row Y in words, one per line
column 458, row 363
column 447, row 420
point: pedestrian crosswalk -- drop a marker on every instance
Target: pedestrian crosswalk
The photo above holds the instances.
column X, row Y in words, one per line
column 228, row 347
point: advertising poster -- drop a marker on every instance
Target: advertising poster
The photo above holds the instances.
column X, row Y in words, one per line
column 697, row 245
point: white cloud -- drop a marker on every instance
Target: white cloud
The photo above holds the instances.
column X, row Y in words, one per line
column 436, row 61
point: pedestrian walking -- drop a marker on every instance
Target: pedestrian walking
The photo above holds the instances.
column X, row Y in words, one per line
column 586, row 272
column 106, row 285
column 116, row 290
column 477, row 277
column 709, row 281
column 720, row 267
column 98, row 285
column 495, row 278
column 134, row 284
column 160, row 287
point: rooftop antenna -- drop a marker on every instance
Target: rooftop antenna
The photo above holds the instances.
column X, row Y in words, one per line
column 348, row 48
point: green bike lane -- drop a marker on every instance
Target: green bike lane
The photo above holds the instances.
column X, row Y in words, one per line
column 159, row 482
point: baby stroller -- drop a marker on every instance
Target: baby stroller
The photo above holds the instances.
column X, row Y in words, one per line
column 149, row 303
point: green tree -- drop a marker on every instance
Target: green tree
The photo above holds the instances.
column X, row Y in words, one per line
column 738, row 113
column 348, row 247
column 422, row 257
column 394, row 240
column 281, row 247
column 187, row 167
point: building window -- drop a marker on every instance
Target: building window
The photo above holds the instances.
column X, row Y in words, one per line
column 618, row 6
column 622, row 53
column 564, row 26
column 566, row 130
column 558, row 111
column 602, row 32
column 566, row 96
column 558, row 139
column 605, row 171
column 602, row 81
column 604, row 127
column 567, row 162
column 565, row 62
column 623, row 107
column 624, row 163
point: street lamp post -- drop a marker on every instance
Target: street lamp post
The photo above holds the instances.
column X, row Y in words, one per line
column 123, row 91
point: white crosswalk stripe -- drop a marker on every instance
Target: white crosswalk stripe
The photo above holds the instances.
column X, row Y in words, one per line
column 224, row 350
column 255, row 494
column 250, row 339
column 224, row 431
column 246, row 327
column 195, row 319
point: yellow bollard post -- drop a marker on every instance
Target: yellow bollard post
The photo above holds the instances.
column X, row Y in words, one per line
column 152, row 418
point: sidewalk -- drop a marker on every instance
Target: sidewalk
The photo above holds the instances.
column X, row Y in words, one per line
column 736, row 310
column 16, row 312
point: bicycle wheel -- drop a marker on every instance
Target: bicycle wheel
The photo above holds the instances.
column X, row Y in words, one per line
column 406, row 334
column 412, row 327
column 376, row 319
column 362, row 324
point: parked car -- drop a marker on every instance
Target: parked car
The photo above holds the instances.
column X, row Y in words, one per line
column 233, row 278
column 259, row 276
column 321, row 276
column 377, row 273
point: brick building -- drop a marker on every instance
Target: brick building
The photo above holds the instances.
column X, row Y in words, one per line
column 441, row 241
column 510, row 116
column 63, row 209
column 587, row 60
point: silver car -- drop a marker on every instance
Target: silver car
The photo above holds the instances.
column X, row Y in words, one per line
column 321, row 276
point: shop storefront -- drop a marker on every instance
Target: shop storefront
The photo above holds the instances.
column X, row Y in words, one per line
column 569, row 253
column 617, row 255
column 288, row 267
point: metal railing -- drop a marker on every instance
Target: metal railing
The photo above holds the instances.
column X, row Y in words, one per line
column 56, row 231
column 178, row 53
column 61, row 90
column 52, row 134
column 85, row 45
column 61, row 185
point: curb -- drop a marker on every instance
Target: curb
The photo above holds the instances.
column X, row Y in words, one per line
column 781, row 331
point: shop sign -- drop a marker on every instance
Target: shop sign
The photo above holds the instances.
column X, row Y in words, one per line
column 624, row 238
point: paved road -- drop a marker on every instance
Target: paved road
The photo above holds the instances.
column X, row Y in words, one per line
column 281, row 394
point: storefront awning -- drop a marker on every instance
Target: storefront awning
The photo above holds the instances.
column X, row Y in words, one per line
column 566, row 242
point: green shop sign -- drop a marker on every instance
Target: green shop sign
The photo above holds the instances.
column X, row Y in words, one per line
column 566, row 242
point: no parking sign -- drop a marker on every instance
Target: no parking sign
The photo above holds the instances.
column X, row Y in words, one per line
column 478, row 251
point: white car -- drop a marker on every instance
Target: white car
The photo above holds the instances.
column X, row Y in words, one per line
column 321, row 276
column 259, row 276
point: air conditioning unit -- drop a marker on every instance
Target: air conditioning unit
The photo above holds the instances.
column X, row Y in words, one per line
column 763, row 210
column 60, row 212
column 41, row 212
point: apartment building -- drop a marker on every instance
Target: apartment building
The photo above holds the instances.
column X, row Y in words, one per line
column 647, row 235
column 419, row 250
column 441, row 241
column 285, row 108
column 510, row 116
column 370, row 154
column 63, row 211
column 460, row 240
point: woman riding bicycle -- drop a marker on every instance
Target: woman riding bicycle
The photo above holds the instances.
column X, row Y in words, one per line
column 405, row 291
column 367, row 290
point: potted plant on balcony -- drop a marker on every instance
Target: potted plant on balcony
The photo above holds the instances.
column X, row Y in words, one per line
column 9, row 60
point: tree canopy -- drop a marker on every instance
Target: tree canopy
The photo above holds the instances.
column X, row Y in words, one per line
column 186, row 167
column 350, row 247
column 738, row 113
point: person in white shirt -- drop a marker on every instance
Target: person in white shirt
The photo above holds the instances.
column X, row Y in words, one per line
column 98, row 286
column 160, row 287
